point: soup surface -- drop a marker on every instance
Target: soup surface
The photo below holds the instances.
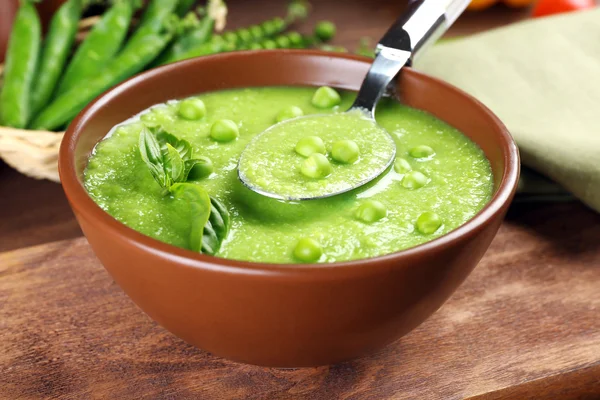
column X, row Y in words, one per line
column 270, row 163
column 440, row 179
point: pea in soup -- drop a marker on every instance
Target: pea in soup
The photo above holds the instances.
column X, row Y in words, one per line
column 171, row 173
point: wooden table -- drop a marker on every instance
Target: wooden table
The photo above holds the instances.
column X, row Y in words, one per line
column 525, row 325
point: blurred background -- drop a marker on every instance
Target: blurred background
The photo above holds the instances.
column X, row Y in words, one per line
column 350, row 15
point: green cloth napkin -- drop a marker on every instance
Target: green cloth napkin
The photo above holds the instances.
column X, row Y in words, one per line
column 542, row 78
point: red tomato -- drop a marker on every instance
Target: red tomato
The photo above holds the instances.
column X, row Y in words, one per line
column 549, row 7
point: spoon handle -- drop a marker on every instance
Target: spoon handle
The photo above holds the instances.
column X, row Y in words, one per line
column 423, row 23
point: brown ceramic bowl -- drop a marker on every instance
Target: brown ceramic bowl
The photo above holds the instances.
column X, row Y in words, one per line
column 274, row 314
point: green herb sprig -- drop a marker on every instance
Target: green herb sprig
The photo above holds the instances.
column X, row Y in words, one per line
column 170, row 160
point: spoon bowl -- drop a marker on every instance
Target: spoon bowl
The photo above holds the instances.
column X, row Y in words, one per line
column 259, row 167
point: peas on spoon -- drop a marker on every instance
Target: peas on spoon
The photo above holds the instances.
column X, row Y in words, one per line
column 299, row 167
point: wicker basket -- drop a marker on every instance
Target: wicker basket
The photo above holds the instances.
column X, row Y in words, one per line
column 35, row 153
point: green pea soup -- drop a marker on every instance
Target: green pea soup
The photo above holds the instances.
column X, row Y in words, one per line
column 440, row 180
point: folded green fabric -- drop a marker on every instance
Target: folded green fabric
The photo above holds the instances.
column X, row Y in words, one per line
column 542, row 78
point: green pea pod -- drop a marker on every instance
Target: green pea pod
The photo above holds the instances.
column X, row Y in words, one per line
column 188, row 41
column 155, row 18
column 256, row 33
column 184, row 7
column 245, row 38
column 99, row 48
column 216, row 45
column 134, row 57
column 21, row 63
column 289, row 40
column 297, row 10
column 57, row 46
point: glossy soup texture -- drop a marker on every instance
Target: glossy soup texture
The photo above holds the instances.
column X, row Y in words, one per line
column 270, row 163
column 439, row 181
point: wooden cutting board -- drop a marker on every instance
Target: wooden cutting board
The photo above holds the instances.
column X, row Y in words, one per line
column 525, row 325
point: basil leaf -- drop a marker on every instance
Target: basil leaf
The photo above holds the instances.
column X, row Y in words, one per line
column 200, row 208
column 174, row 166
column 219, row 219
column 216, row 228
column 209, row 218
column 152, row 156
column 197, row 168
column 183, row 147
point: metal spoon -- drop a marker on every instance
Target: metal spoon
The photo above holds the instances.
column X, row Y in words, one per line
column 423, row 23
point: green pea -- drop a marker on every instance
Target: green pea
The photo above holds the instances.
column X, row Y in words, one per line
column 345, row 151
column 256, row 32
column 325, row 30
column 283, row 42
column 421, row 151
column 289, row 113
column 371, row 211
column 296, row 39
column 270, row 28
column 309, row 145
column 414, row 180
column 308, row 250
column 401, row 166
column 244, row 35
column 201, row 169
column 276, row 25
column 269, row 44
column 230, row 37
column 255, row 46
column 228, row 46
column 298, row 10
column 224, row 130
column 428, row 222
column 326, row 97
column 192, row 109
column 316, row 166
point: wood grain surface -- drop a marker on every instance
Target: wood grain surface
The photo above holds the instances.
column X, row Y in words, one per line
column 525, row 325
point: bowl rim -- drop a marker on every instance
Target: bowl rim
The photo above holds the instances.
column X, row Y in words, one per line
column 83, row 204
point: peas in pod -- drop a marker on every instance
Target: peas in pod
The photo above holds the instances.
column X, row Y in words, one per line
column 99, row 47
column 56, row 49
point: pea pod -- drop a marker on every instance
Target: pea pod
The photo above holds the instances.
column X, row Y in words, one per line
column 190, row 40
column 184, row 7
column 21, row 63
column 155, row 18
column 297, row 10
column 256, row 33
column 243, row 38
column 134, row 57
column 217, row 44
column 99, row 48
column 57, row 46
column 289, row 40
